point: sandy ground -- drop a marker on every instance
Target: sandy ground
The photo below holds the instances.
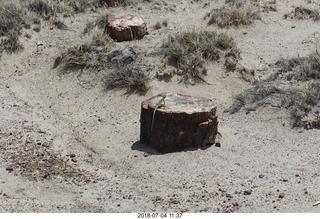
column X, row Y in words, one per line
column 89, row 137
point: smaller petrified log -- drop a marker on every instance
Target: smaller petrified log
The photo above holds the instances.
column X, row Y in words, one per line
column 114, row 3
column 178, row 123
column 126, row 28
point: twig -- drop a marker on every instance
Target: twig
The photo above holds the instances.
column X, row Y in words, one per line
column 316, row 203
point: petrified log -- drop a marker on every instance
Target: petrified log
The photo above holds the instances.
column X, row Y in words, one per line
column 114, row 3
column 173, row 122
column 126, row 28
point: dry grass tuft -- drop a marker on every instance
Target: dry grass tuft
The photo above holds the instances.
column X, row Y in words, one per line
column 11, row 42
column 91, row 55
column 60, row 25
column 11, row 18
column 301, row 98
column 239, row 14
column 80, row 6
column 302, row 12
column 189, row 51
column 100, row 23
column 130, row 77
column 43, row 8
column 300, row 69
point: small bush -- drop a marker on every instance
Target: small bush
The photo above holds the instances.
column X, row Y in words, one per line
column 237, row 15
column 91, row 55
column 100, row 22
column 257, row 93
column 300, row 98
column 11, row 18
column 60, row 24
column 129, row 77
column 42, row 8
column 157, row 26
column 80, row 6
column 11, row 42
column 300, row 102
column 189, row 51
column 300, row 69
column 301, row 12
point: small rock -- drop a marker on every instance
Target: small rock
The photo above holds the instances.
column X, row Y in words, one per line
column 9, row 169
column 247, row 192
column 74, row 160
column 261, row 176
column 281, row 195
column 72, row 155
column 124, row 56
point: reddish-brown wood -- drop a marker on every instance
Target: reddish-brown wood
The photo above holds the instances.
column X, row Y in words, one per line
column 126, row 28
column 184, row 122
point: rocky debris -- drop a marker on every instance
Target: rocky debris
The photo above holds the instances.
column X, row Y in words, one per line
column 247, row 192
column 261, row 176
column 122, row 56
column 35, row 160
column 126, row 28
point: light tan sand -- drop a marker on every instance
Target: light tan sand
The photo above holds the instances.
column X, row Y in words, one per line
column 263, row 165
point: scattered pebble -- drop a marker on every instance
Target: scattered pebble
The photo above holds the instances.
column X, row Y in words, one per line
column 9, row 169
column 261, row 176
column 281, row 195
column 247, row 192
column 72, row 155
column 74, row 160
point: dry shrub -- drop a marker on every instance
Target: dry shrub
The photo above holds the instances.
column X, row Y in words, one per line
column 91, row 55
column 80, row 6
column 11, row 42
column 100, row 23
column 239, row 14
column 300, row 98
column 301, row 101
column 11, row 18
column 130, row 77
column 60, row 24
column 302, row 12
column 189, row 51
column 258, row 93
column 301, row 69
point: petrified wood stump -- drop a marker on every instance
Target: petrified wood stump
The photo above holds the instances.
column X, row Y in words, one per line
column 114, row 3
column 126, row 28
column 177, row 123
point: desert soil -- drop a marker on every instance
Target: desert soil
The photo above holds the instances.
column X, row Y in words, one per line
column 69, row 145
